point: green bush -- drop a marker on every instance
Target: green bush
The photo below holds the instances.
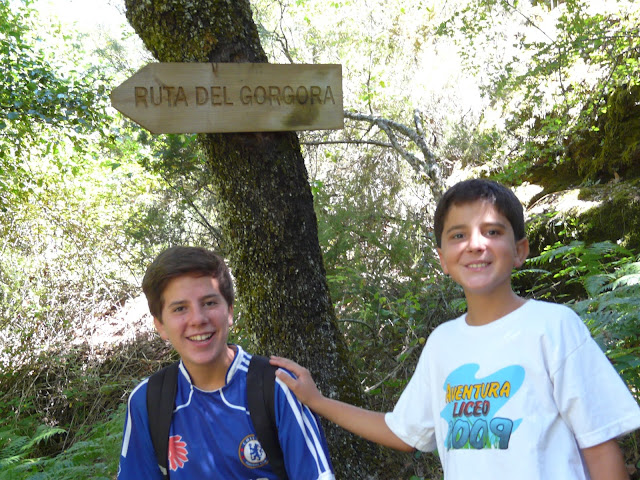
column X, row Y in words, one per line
column 607, row 298
column 94, row 457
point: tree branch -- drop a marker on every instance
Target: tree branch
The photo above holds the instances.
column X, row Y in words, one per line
column 352, row 142
column 427, row 165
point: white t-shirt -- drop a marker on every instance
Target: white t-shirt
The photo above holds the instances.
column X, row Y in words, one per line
column 516, row 398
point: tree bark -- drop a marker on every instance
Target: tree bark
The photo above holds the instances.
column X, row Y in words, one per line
column 267, row 220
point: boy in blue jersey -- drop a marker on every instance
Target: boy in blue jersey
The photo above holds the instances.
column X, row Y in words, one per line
column 190, row 295
column 513, row 389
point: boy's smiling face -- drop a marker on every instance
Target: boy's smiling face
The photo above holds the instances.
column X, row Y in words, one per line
column 196, row 320
column 478, row 249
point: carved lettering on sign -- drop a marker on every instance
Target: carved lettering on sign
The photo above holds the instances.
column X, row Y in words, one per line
column 216, row 95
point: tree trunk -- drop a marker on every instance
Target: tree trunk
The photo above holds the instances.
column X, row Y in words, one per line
column 268, row 225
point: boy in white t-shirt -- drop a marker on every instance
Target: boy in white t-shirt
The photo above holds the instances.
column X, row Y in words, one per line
column 514, row 388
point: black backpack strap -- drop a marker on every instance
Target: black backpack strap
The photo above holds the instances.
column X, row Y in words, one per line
column 161, row 397
column 261, row 380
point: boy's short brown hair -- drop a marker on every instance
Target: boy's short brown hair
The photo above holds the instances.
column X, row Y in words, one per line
column 467, row 191
column 177, row 261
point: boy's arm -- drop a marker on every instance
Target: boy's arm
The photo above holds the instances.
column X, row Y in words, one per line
column 365, row 423
column 605, row 461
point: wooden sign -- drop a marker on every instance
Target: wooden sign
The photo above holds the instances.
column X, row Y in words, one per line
column 232, row 97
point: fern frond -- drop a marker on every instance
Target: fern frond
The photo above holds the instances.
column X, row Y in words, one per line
column 597, row 284
column 556, row 251
column 13, row 446
column 43, row 433
column 631, row 280
column 10, row 460
column 601, row 248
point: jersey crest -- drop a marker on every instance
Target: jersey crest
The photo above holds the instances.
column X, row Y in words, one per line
column 251, row 453
column 178, row 453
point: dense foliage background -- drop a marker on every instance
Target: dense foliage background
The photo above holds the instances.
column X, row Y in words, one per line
column 544, row 99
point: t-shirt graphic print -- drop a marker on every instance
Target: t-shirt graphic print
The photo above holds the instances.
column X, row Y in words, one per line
column 473, row 407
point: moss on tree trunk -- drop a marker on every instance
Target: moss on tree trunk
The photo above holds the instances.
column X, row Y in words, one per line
column 268, row 224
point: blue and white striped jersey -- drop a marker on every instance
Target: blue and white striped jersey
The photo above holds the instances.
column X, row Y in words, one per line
column 212, row 436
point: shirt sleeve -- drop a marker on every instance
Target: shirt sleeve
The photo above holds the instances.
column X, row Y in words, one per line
column 412, row 417
column 137, row 457
column 590, row 395
column 304, row 446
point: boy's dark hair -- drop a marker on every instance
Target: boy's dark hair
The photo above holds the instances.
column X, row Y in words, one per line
column 177, row 261
column 467, row 191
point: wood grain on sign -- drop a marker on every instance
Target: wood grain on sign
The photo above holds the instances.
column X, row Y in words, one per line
column 232, row 97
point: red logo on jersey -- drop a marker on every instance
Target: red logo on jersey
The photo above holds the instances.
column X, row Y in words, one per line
column 177, row 452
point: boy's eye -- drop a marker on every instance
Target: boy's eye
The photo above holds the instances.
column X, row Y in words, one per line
column 493, row 232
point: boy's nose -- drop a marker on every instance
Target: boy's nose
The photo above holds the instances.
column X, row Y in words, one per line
column 476, row 241
column 198, row 316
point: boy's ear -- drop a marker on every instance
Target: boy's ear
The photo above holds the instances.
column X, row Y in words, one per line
column 160, row 328
column 522, row 251
column 443, row 265
column 230, row 315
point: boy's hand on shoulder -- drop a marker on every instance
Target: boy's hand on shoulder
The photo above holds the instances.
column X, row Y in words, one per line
column 302, row 385
column 366, row 423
